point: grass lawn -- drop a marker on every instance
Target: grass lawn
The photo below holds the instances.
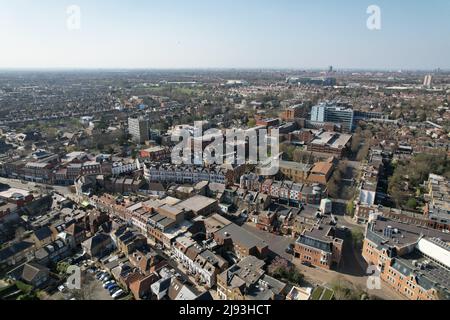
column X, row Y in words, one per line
column 327, row 295
column 317, row 293
column 321, row 293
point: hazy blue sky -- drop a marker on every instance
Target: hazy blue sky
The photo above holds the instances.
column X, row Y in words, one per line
column 225, row 34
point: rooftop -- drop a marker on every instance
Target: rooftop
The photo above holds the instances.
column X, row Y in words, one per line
column 14, row 193
column 295, row 166
column 384, row 232
column 197, row 203
column 241, row 236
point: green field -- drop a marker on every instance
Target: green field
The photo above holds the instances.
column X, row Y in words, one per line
column 321, row 293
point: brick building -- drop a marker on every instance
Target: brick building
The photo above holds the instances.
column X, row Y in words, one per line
column 413, row 260
column 319, row 246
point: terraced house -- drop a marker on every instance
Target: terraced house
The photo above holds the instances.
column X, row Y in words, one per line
column 202, row 263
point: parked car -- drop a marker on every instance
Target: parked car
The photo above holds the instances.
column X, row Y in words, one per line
column 104, row 277
column 290, row 249
column 117, row 294
column 113, row 289
column 112, row 292
column 111, row 285
column 99, row 275
column 107, row 283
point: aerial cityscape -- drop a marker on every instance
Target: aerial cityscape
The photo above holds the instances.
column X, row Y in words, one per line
column 190, row 175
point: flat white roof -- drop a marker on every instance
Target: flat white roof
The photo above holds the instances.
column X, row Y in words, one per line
column 436, row 250
column 11, row 191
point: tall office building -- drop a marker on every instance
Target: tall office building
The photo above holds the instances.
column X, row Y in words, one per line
column 427, row 81
column 318, row 113
column 138, row 128
column 334, row 113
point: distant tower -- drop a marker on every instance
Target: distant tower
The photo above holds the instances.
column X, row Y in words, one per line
column 427, row 81
column 330, row 69
column 138, row 128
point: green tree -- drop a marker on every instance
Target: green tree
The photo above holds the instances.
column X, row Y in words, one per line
column 251, row 123
column 412, row 203
column 345, row 290
column 62, row 267
column 350, row 210
column 357, row 238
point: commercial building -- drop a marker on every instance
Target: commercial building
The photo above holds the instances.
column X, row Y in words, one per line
column 155, row 153
column 123, row 166
column 295, row 171
column 363, row 213
column 413, row 260
column 200, row 205
column 320, row 246
column 18, row 197
column 320, row 81
column 267, row 122
column 321, row 173
column 40, row 172
column 326, row 112
column 294, row 112
column 322, row 141
column 189, row 174
column 241, row 242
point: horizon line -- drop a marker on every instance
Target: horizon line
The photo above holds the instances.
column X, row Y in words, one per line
column 315, row 69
